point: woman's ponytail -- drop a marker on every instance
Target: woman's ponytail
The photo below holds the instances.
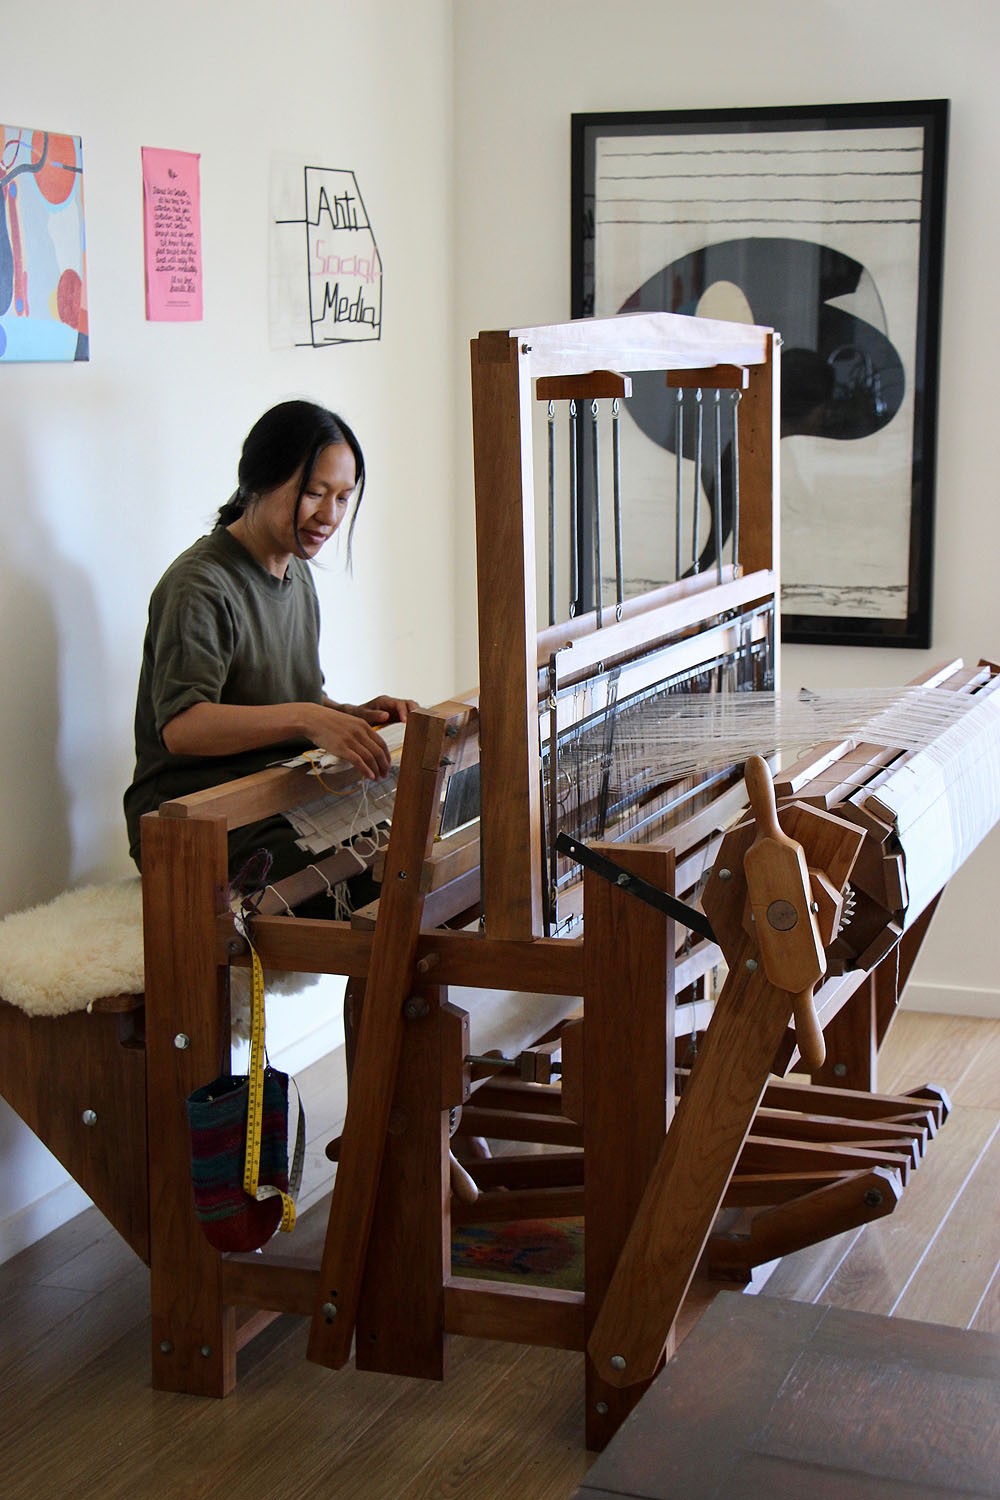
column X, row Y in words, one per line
column 231, row 511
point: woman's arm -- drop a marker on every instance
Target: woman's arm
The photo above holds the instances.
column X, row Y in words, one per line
column 229, row 728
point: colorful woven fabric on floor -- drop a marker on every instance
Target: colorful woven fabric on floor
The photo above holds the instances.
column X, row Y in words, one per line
column 540, row 1252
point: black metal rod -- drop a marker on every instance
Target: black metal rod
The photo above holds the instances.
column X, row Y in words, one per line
column 552, row 512
column 598, row 569
column 616, row 452
column 553, row 807
column 696, row 489
column 574, row 516
column 717, row 498
column 737, row 398
column 679, row 481
column 688, row 916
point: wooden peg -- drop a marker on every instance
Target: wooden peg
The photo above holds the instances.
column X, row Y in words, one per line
column 463, row 1184
column 591, row 387
column 718, row 378
column 808, row 1032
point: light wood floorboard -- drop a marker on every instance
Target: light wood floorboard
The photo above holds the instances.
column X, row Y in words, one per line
column 78, row 1417
column 935, row 1259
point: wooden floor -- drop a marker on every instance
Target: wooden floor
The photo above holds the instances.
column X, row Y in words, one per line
column 78, row 1418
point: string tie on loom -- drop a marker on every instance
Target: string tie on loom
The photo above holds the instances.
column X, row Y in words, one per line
column 353, row 820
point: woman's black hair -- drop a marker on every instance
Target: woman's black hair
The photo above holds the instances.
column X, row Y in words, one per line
column 288, row 438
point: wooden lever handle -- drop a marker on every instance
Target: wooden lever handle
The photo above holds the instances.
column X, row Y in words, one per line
column 760, row 790
column 808, row 1032
column 777, row 880
column 463, row 1184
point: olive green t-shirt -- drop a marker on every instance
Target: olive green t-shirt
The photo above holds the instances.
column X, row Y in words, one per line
column 222, row 629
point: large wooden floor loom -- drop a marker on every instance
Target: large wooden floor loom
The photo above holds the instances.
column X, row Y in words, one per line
column 634, row 1094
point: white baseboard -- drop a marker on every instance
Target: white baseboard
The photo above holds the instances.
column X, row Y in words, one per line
column 35, row 1220
column 952, row 1000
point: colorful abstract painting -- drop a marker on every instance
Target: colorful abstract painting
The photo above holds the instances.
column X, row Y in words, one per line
column 43, row 280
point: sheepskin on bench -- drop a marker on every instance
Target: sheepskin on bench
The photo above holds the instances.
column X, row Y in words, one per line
column 84, row 945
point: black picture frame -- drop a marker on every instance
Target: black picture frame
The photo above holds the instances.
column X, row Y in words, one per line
column 825, row 222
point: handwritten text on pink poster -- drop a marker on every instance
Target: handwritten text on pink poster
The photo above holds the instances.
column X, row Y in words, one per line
column 171, row 198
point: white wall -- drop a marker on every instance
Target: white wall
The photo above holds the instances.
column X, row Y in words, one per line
column 523, row 67
column 112, row 467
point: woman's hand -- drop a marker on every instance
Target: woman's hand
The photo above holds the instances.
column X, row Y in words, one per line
column 386, row 710
column 231, row 728
column 381, row 710
column 348, row 734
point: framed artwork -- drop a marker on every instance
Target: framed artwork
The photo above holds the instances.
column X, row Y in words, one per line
column 43, row 277
column 825, row 222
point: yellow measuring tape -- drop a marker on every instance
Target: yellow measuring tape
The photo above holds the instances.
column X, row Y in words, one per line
column 255, row 1107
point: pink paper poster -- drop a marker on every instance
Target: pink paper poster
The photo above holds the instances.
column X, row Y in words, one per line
column 171, row 198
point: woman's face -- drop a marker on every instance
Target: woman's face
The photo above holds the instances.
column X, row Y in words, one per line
column 267, row 529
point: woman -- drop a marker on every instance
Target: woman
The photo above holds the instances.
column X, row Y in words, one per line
column 230, row 678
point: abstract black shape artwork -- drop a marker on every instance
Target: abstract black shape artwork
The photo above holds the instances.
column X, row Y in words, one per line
column 824, row 223
column 842, row 377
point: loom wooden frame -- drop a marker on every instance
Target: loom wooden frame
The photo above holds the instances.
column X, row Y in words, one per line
column 385, row 1269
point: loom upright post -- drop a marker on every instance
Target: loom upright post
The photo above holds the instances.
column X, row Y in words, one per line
column 716, row 1110
column 183, row 880
column 505, row 549
column 628, row 1068
column 379, row 1042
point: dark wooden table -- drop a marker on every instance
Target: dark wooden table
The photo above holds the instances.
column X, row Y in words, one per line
column 773, row 1400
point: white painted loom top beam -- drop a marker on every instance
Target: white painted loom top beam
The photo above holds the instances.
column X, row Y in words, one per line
column 640, row 341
